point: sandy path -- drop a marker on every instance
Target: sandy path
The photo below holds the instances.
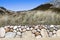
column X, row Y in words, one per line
column 30, row 39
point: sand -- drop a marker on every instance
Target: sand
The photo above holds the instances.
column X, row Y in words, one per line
column 56, row 38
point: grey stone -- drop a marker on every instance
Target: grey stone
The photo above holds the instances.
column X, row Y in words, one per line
column 2, row 32
column 10, row 35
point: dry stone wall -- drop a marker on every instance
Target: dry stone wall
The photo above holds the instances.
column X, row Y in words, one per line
column 34, row 31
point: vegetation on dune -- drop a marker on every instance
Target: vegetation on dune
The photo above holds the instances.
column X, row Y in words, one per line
column 30, row 18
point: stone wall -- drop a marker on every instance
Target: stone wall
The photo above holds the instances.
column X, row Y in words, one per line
column 30, row 31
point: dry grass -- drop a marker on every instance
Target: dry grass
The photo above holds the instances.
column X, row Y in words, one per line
column 30, row 18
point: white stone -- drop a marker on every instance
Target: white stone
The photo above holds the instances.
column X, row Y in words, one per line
column 15, row 27
column 54, row 31
column 19, row 33
column 51, row 25
column 18, row 26
column 38, row 30
column 50, row 34
column 10, row 35
column 24, row 30
column 2, row 32
column 33, row 31
column 22, row 27
column 27, row 28
column 7, row 26
column 11, row 26
column 31, row 28
column 20, row 30
column 38, row 36
column 36, row 27
column 58, row 33
column 44, row 33
column 14, row 30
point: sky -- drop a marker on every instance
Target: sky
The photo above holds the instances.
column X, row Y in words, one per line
column 19, row 5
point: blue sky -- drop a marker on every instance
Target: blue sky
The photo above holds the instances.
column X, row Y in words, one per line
column 19, row 5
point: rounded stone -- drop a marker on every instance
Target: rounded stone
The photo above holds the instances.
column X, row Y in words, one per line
column 19, row 33
column 31, row 28
column 27, row 28
column 51, row 25
column 37, row 33
column 50, row 34
column 36, row 27
column 38, row 30
column 33, row 31
column 7, row 29
column 2, row 32
column 20, row 30
column 54, row 31
column 15, row 31
column 18, row 26
column 22, row 27
column 38, row 36
column 11, row 30
column 44, row 33
column 15, row 27
column 11, row 26
column 24, row 30
column 10, row 35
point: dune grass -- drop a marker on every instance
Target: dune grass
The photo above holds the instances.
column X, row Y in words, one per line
column 30, row 18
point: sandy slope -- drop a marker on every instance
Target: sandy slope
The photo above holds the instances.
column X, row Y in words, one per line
column 30, row 39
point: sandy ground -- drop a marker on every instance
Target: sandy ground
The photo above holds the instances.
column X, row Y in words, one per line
column 30, row 38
